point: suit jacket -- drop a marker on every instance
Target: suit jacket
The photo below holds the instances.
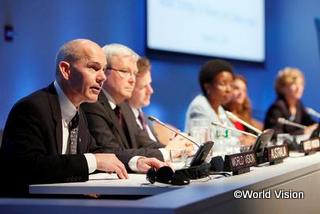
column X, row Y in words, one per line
column 280, row 109
column 32, row 144
column 104, row 127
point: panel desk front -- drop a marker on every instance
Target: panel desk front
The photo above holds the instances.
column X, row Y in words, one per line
column 298, row 174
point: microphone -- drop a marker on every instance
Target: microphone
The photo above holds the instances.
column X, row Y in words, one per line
column 151, row 118
column 233, row 129
column 283, row 121
column 236, row 118
column 312, row 112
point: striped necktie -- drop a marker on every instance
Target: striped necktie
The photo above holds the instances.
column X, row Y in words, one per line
column 73, row 127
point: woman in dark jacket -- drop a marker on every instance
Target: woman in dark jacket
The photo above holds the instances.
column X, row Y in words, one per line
column 289, row 88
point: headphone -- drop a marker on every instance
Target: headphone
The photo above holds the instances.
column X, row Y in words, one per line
column 166, row 175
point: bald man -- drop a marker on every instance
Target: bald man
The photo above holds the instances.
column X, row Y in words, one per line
column 46, row 139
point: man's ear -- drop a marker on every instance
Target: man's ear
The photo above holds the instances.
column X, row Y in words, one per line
column 65, row 69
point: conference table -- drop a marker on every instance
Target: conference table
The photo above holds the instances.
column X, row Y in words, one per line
column 289, row 187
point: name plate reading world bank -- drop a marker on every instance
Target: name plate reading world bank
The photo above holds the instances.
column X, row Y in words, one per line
column 310, row 146
column 240, row 163
column 276, row 154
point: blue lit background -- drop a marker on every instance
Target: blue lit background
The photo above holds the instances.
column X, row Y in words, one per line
column 41, row 26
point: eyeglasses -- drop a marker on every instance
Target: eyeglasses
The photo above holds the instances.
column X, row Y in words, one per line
column 124, row 73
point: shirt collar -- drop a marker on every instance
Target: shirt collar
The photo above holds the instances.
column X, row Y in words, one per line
column 68, row 110
column 110, row 99
column 135, row 111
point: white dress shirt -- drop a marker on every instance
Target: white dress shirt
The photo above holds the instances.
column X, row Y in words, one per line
column 68, row 111
column 136, row 114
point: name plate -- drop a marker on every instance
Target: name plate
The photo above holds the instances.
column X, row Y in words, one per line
column 310, row 146
column 240, row 163
column 276, row 154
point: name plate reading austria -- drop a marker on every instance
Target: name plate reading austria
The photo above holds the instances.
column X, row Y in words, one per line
column 311, row 145
column 240, row 163
column 276, row 154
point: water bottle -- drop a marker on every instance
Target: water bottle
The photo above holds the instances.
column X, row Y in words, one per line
column 217, row 137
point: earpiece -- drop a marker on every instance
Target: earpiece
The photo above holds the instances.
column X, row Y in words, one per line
column 166, row 175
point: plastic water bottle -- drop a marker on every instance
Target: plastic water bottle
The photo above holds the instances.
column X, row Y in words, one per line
column 219, row 137
column 232, row 143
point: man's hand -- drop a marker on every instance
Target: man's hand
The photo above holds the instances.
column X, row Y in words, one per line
column 110, row 163
column 310, row 129
column 144, row 164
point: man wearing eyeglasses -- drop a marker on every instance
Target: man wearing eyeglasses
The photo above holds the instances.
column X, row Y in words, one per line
column 111, row 120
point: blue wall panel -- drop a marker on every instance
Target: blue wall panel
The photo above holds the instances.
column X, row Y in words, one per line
column 41, row 26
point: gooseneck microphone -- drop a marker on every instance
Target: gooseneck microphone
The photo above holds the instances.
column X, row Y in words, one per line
column 236, row 118
column 233, row 129
column 151, row 118
column 283, row 121
column 312, row 112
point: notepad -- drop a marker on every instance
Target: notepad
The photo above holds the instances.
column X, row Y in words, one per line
column 103, row 176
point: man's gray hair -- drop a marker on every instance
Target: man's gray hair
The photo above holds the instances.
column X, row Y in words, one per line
column 120, row 50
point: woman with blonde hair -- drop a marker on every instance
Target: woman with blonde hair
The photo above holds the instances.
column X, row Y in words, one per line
column 289, row 87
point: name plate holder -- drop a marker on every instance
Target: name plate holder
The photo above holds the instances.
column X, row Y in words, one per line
column 310, row 146
column 240, row 163
column 276, row 154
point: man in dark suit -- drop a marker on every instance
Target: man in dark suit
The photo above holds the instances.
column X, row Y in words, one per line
column 141, row 96
column 111, row 120
column 38, row 146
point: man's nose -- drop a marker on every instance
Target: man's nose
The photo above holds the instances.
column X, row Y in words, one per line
column 101, row 76
column 132, row 78
column 150, row 89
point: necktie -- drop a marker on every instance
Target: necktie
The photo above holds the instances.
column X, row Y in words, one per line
column 142, row 120
column 119, row 115
column 73, row 134
column 122, row 123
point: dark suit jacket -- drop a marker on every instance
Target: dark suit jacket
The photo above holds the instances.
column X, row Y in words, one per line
column 280, row 109
column 32, row 144
column 104, row 127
